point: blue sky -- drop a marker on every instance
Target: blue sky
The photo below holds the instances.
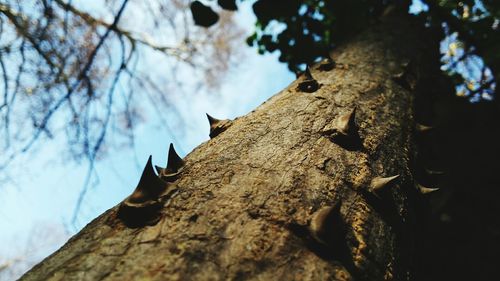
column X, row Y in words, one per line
column 36, row 206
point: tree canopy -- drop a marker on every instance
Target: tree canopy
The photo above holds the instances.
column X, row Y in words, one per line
column 81, row 69
column 304, row 31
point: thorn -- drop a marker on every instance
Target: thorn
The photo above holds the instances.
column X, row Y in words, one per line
column 379, row 182
column 159, row 170
column 174, row 162
column 212, row 121
column 405, row 63
column 433, row 172
column 346, row 123
column 149, row 188
column 308, row 74
column 344, row 132
column 425, row 190
column 217, row 126
column 144, row 205
column 327, row 64
column 309, row 84
column 401, row 79
column 422, row 128
column 399, row 75
column 324, row 222
column 318, row 222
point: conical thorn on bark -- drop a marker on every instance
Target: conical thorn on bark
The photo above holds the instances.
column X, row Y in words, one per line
column 327, row 64
column 217, row 126
column 346, row 124
column 159, row 170
column 401, row 79
column 422, row 128
column 211, row 120
column 424, row 189
column 144, row 205
column 149, row 188
column 308, row 84
column 308, row 74
column 174, row 162
column 433, row 172
column 344, row 131
column 379, row 182
column 326, row 224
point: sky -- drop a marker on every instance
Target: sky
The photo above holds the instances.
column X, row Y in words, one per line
column 37, row 205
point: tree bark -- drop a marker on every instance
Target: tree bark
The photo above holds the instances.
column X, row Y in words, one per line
column 244, row 201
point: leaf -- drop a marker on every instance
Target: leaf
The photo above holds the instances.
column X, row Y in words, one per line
column 228, row 5
column 203, row 15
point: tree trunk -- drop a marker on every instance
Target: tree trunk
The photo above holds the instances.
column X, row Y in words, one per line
column 291, row 191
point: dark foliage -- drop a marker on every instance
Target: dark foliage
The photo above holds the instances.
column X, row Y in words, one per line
column 304, row 31
column 203, row 15
column 229, row 5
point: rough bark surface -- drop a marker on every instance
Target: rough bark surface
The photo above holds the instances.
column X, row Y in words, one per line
column 245, row 198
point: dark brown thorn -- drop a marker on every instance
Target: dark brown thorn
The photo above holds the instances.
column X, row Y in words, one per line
column 401, row 79
column 149, row 188
column 174, row 162
column 308, row 83
column 217, row 126
column 327, row 64
column 308, row 74
column 159, row 170
column 308, row 86
column 212, row 121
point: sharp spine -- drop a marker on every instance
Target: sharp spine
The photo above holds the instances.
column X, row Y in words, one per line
column 346, row 123
column 327, row 64
column 424, row 189
column 159, row 170
column 149, row 188
column 344, row 131
column 212, row 121
column 175, row 162
column 422, row 128
column 308, row 84
column 319, row 222
column 380, row 182
column 217, row 126
column 433, row 172
column 401, row 79
column 308, row 74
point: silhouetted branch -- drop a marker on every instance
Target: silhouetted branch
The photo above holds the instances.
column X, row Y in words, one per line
column 59, row 60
